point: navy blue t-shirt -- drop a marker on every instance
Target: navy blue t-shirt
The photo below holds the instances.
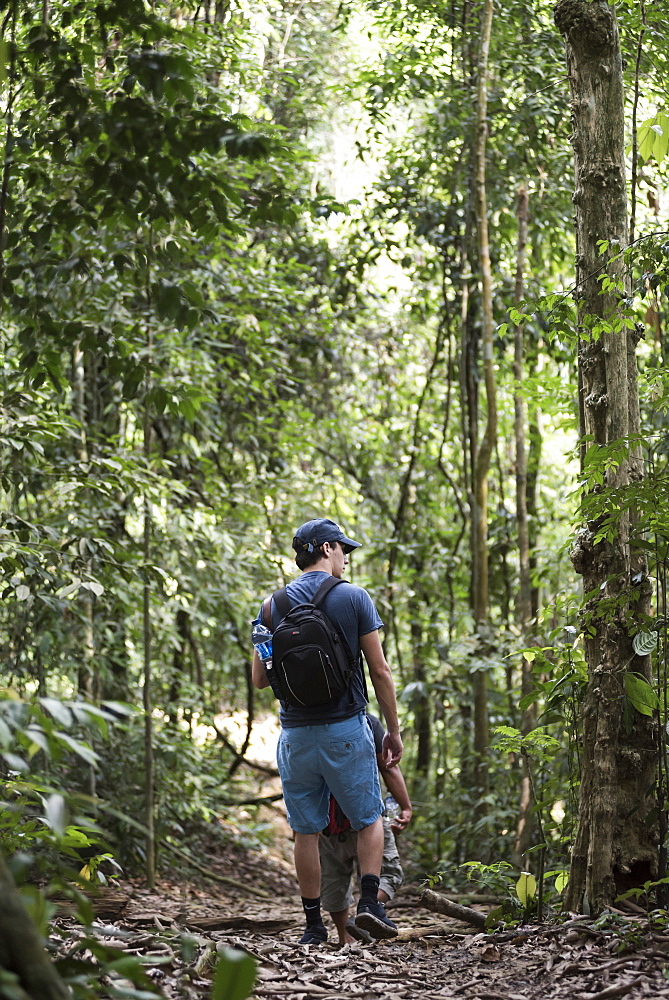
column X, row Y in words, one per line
column 352, row 610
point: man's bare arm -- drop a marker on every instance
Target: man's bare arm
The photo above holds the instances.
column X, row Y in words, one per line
column 396, row 785
column 384, row 689
column 258, row 672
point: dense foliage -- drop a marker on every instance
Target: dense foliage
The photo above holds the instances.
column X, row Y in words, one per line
column 240, row 287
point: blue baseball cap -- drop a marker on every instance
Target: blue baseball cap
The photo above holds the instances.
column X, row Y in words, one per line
column 312, row 534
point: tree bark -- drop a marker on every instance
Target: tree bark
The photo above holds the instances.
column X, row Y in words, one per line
column 488, row 441
column 525, row 824
column 487, row 445
column 439, row 903
column 615, row 849
column 147, row 633
column 21, row 948
column 88, row 680
column 422, row 720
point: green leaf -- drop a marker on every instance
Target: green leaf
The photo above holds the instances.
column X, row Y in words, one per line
column 526, row 888
column 15, row 762
column 234, row 977
column 158, row 398
column 81, row 749
column 645, row 141
column 561, row 882
column 5, row 734
column 653, row 138
column 494, row 917
column 56, row 814
column 641, row 694
column 644, row 643
column 60, row 712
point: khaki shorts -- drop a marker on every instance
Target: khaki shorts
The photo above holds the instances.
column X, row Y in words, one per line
column 339, row 862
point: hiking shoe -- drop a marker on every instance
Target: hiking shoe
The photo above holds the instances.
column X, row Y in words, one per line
column 314, row 934
column 359, row 933
column 372, row 917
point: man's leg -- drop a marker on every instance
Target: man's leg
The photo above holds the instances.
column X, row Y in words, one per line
column 306, row 796
column 340, row 919
column 308, row 864
column 370, row 848
column 308, row 870
column 371, row 915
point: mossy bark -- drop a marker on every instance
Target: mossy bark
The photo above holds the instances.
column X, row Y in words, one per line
column 615, row 847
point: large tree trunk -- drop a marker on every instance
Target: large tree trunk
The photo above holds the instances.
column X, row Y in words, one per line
column 614, row 848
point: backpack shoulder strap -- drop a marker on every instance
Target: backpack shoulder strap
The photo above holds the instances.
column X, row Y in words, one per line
column 324, row 590
column 282, row 602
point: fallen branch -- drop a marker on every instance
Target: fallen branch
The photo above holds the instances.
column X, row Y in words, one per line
column 415, row 933
column 438, row 903
column 467, row 898
column 616, row 991
column 631, row 907
column 238, row 923
column 212, row 875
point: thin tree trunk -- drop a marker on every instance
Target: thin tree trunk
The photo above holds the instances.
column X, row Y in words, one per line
column 7, row 151
column 149, row 768
column 87, row 682
column 535, row 445
column 488, row 441
column 615, row 847
column 524, row 598
column 525, row 824
column 422, row 726
column 635, row 108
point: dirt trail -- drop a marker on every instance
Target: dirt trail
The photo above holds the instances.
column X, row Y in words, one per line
column 184, row 925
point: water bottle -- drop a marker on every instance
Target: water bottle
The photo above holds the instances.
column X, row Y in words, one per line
column 392, row 807
column 262, row 640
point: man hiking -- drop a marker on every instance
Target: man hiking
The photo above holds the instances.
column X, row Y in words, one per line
column 328, row 748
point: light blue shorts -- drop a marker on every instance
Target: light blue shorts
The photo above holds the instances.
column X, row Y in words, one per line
column 338, row 757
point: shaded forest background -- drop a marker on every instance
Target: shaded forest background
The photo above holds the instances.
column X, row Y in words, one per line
column 245, row 280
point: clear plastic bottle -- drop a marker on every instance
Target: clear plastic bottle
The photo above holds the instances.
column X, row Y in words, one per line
column 392, row 807
column 262, row 640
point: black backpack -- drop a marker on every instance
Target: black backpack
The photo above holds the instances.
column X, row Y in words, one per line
column 311, row 662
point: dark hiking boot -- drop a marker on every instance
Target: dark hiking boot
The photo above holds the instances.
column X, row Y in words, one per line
column 359, row 933
column 372, row 917
column 314, row 934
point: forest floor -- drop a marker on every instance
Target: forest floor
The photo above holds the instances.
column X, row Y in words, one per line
column 179, row 927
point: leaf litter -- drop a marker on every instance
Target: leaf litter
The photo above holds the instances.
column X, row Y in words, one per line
column 180, row 927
